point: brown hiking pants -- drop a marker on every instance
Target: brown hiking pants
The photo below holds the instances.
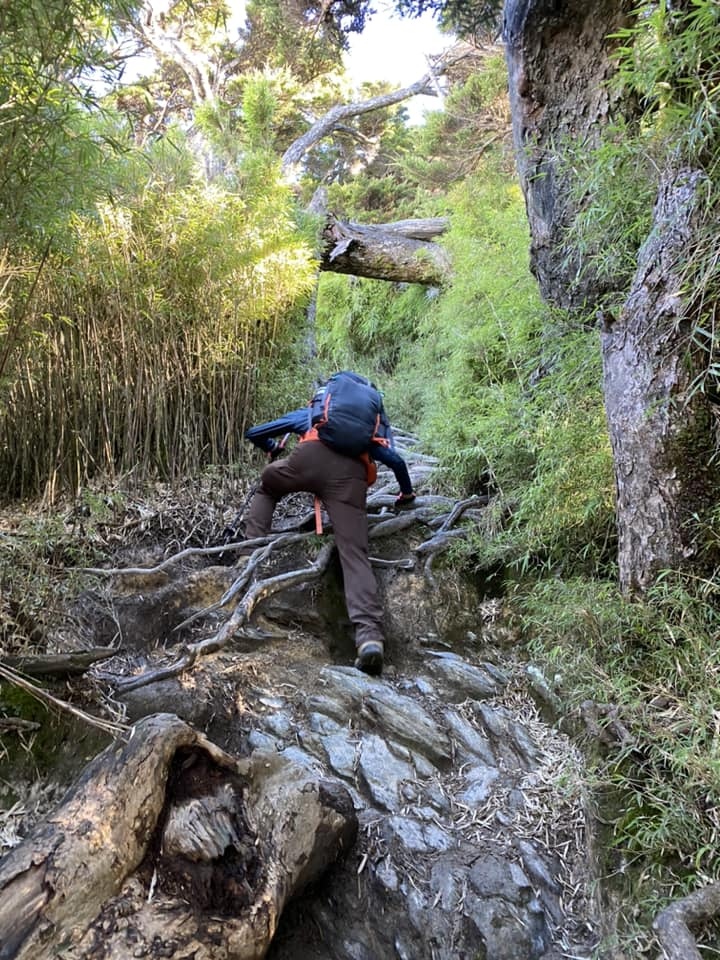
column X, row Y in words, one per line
column 340, row 482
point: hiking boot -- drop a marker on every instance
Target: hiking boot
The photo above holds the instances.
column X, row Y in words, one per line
column 370, row 658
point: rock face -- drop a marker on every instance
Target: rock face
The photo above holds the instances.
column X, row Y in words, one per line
column 466, row 842
column 471, row 825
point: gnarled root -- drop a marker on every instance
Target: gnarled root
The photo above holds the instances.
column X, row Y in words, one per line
column 672, row 925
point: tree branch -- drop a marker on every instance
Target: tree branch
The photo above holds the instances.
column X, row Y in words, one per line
column 336, row 116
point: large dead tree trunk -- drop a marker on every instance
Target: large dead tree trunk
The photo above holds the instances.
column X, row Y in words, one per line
column 161, row 821
column 559, row 57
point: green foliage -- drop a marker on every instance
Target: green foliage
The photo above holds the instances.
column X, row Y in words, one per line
column 154, row 336
column 510, row 397
column 657, row 664
column 366, row 196
column 259, row 114
column 453, row 142
column 668, row 71
column 367, row 181
column 614, row 187
column 51, row 152
column 259, row 108
column 506, row 395
column 33, row 595
column 670, row 59
column 303, row 35
column 366, row 321
column 467, row 18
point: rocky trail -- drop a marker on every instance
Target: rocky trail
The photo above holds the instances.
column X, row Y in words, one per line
column 265, row 798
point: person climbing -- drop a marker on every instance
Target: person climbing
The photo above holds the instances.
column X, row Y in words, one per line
column 342, row 432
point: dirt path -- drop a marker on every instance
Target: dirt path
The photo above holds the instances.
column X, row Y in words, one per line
column 471, row 833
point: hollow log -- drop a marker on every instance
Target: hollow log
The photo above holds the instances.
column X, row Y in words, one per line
column 162, row 821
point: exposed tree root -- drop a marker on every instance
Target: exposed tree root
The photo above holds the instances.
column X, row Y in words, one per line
column 259, row 591
column 672, row 925
column 445, row 537
column 183, row 554
column 383, row 519
column 459, row 509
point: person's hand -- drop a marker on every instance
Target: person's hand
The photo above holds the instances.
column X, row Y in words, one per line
column 277, row 448
column 404, row 499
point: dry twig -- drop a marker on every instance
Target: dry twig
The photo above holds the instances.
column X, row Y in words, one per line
column 12, row 676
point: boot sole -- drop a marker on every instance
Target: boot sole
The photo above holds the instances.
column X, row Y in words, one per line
column 371, row 661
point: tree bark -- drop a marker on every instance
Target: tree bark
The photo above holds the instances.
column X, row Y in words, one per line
column 672, row 924
column 162, row 820
column 559, row 59
column 661, row 431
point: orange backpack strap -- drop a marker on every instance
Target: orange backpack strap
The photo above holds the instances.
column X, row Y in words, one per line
column 318, row 516
column 370, row 468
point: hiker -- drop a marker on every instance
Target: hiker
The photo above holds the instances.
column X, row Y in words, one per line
column 340, row 480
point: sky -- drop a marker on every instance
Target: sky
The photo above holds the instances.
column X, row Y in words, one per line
column 396, row 50
column 388, row 49
column 393, row 49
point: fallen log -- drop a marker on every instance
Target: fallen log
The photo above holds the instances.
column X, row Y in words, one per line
column 160, row 820
column 59, row 664
column 383, row 253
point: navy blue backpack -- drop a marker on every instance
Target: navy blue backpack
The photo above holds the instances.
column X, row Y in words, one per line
column 347, row 413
